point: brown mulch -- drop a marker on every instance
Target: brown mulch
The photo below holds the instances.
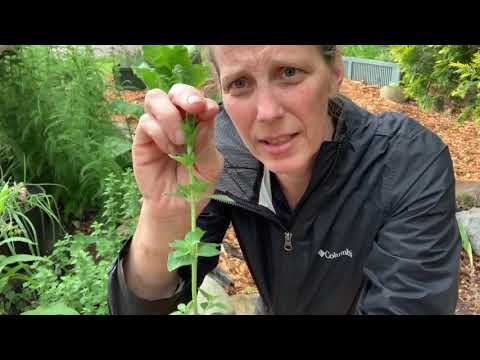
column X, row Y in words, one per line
column 464, row 144
column 469, row 290
column 235, row 268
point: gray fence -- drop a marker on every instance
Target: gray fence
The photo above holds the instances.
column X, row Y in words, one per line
column 373, row 72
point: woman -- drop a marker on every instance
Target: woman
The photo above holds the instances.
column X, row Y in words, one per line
column 337, row 211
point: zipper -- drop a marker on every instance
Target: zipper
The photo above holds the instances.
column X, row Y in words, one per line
column 287, row 244
column 266, row 213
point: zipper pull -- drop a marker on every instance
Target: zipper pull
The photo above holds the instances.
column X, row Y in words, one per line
column 287, row 245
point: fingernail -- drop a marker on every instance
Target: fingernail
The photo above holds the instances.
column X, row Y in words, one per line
column 179, row 137
column 192, row 99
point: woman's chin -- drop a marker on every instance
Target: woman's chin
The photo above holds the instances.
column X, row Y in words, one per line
column 285, row 166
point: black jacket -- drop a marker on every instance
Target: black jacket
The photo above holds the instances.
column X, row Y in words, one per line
column 374, row 233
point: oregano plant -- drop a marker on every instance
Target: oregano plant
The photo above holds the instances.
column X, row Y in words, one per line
column 166, row 65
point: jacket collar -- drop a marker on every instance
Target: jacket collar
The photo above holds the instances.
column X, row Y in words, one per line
column 245, row 177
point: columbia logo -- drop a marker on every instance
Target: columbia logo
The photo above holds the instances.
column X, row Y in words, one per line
column 333, row 255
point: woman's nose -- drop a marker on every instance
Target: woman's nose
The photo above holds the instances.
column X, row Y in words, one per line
column 269, row 108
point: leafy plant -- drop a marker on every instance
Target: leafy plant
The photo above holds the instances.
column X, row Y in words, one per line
column 189, row 249
column 467, row 246
column 441, row 76
column 56, row 117
column 469, row 86
column 122, row 198
column 166, row 66
column 16, row 201
column 54, row 309
column 15, row 229
column 77, row 273
column 373, row 52
column 15, row 268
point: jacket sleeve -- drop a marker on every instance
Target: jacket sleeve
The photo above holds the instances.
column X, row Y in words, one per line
column 122, row 301
column 413, row 266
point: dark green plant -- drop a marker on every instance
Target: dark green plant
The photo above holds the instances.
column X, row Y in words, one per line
column 165, row 65
column 16, row 229
column 14, row 270
column 16, row 201
column 56, row 117
column 76, row 277
column 373, row 52
column 467, row 246
column 441, row 76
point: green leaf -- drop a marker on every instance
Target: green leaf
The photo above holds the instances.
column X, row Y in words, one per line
column 17, row 239
column 3, row 283
column 182, row 247
column 199, row 186
column 222, row 198
column 117, row 146
column 5, row 261
column 126, row 109
column 176, row 260
column 166, row 55
column 53, row 309
column 197, row 75
column 149, row 76
column 186, row 160
column 194, row 237
column 184, row 190
column 208, row 249
column 467, row 246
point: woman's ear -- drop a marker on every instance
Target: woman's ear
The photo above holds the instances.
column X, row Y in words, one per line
column 336, row 75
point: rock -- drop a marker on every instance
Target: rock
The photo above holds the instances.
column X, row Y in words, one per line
column 7, row 48
column 244, row 304
column 212, row 287
column 393, row 93
column 471, row 222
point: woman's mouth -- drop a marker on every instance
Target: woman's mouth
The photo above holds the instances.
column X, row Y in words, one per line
column 278, row 145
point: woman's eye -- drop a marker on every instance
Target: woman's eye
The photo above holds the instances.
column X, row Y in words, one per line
column 289, row 71
column 239, row 84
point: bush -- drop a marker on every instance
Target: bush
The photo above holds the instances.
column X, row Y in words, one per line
column 373, row 52
column 55, row 118
column 77, row 274
column 441, row 76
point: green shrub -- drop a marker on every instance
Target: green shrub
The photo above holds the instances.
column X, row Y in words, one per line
column 373, row 52
column 77, row 274
column 441, row 76
column 55, row 117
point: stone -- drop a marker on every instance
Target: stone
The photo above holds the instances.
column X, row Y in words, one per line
column 212, row 287
column 7, row 48
column 471, row 222
column 393, row 93
column 244, row 304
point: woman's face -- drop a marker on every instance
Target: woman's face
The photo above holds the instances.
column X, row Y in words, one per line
column 277, row 97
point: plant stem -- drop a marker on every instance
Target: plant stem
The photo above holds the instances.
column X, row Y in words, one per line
column 193, row 219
